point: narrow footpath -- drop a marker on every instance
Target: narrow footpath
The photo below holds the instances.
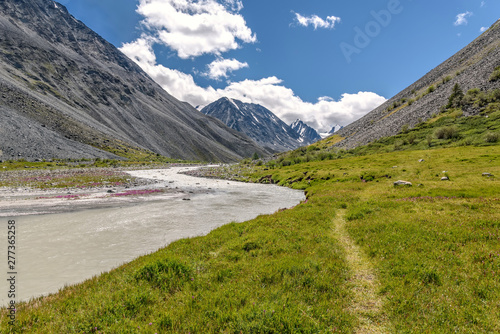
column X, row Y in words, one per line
column 367, row 304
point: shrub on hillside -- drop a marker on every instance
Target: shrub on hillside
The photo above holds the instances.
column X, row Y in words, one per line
column 447, row 132
column 495, row 75
column 480, row 99
column 492, row 137
column 456, row 97
column 411, row 138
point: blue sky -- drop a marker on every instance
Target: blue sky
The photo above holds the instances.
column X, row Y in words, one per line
column 325, row 62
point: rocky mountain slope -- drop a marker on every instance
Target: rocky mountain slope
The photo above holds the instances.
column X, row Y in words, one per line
column 470, row 68
column 257, row 122
column 307, row 134
column 65, row 92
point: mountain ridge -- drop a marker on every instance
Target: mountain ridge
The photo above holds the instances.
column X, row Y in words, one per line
column 307, row 134
column 74, row 88
column 469, row 68
column 256, row 121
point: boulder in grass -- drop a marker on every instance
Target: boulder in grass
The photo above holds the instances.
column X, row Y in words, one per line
column 445, row 178
column 402, row 183
column 488, row 174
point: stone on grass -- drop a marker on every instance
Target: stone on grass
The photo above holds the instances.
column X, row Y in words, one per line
column 487, row 174
column 445, row 178
column 402, row 183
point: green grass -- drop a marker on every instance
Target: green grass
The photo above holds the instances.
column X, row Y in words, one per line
column 432, row 250
column 438, row 259
column 65, row 178
column 446, row 129
column 148, row 161
column 276, row 274
column 434, row 246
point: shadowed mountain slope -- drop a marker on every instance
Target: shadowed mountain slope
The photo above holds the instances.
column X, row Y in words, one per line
column 257, row 122
column 65, row 92
column 306, row 133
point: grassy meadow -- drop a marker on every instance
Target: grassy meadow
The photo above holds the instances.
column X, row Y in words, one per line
column 360, row 255
column 433, row 250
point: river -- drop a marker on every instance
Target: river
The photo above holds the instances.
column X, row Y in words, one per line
column 58, row 249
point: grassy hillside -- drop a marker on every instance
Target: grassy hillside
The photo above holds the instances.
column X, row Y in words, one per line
column 475, row 67
column 360, row 255
column 451, row 127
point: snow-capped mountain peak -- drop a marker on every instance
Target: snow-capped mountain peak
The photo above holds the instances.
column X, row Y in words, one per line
column 307, row 134
column 257, row 122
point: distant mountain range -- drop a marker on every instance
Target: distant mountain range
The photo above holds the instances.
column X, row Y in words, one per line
column 470, row 68
column 260, row 124
column 307, row 134
column 65, row 92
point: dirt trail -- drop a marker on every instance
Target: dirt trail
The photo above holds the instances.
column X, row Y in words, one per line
column 367, row 304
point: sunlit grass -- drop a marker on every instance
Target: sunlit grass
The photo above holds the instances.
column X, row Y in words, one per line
column 280, row 273
column 434, row 247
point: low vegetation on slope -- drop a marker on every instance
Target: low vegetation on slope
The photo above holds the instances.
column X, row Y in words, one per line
column 434, row 250
column 451, row 127
column 360, row 255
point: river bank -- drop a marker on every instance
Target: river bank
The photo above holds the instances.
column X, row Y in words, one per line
column 65, row 240
column 31, row 192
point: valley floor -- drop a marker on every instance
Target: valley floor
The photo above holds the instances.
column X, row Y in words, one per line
column 108, row 188
column 359, row 256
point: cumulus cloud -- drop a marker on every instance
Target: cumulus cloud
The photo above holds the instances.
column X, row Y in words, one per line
column 194, row 28
column 220, row 68
column 140, row 51
column 321, row 115
column 269, row 92
column 483, row 29
column 316, row 21
column 462, row 18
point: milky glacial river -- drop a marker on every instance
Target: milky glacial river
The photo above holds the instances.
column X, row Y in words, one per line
column 53, row 250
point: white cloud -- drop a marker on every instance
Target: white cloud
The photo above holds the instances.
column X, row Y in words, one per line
column 269, row 92
column 483, row 29
column 193, row 28
column 326, row 98
column 235, row 5
column 316, row 21
column 140, row 51
column 483, row 3
column 219, row 68
column 272, row 94
column 462, row 18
